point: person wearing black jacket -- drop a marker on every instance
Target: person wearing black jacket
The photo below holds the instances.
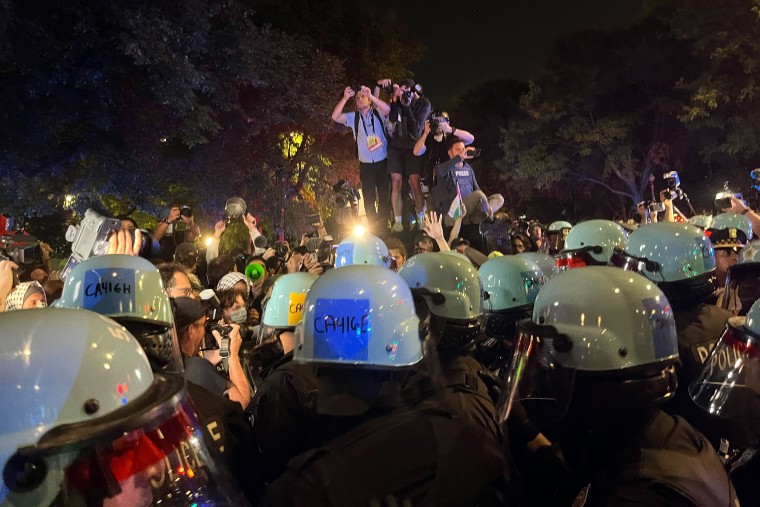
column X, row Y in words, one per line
column 407, row 118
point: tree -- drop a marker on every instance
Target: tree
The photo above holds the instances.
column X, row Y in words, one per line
column 600, row 119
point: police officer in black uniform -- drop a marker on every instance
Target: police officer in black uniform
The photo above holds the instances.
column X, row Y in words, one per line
column 599, row 365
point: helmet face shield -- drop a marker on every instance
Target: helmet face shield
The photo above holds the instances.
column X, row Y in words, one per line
column 742, row 288
column 630, row 262
column 578, row 258
column 729, row 384
column 154, row 455
column 534, row 378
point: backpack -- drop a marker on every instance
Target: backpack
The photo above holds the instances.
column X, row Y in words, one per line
column 375, row 114
column 406, row 457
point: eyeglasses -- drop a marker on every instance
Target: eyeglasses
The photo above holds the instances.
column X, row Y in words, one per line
column 183, row 292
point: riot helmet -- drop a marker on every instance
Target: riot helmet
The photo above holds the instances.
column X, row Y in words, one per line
column 129, row 290
column 87, row 423
column 678, row 257
column 557, row 233
column 621, row 334
column 360, row 316
column 363, row 249
column 285, row 307
column 701, row 221
column 448, row 290
column 511, row 284
column 546, row 263
column 591, row 243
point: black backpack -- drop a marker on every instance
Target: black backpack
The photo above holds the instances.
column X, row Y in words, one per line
column 406, row 457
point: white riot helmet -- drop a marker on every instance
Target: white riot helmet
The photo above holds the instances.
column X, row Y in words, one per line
column 360, row 316
column 86, row 420
column 559, row 225
column 676, row 256
column 701, row 221
column 729, row 384
column 621, row 329
column 591, row 242
column 450, row 287
column 546, row 263
column 285, row 307
column 510, row 282
column 364, row 249
column 129, row 290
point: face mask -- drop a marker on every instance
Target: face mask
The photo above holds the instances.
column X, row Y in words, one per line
column 238, row 316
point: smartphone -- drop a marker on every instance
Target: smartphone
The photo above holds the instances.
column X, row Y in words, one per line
column 475, row 153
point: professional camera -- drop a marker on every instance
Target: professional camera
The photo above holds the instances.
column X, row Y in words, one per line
column 674, row 185
column 436, row 118
column 723, row 198
column 281, row 250
column 356, row 88
column 406, row 98
column 213, row 308
column 89, row 238
column 347, row 195
column 185, row 211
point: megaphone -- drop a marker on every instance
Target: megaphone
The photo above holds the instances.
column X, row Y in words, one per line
column 254, row 271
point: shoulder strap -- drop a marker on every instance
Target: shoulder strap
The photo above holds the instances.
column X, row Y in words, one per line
column 356, row 130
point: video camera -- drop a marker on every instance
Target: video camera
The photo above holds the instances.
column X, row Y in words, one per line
column 674, row 185
column 213, row 308
column 90, row 239
column 347, row 195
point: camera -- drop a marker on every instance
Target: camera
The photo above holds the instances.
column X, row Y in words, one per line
column 656, row 207
column 213, row 308
column 723, row 198
column 674, row 183
column 185, row 211
column 475, row 153
column 281, row 250
column 347, row 195
column 89, row 238
column 406, row 97
column 314, row 219
column 356, row 88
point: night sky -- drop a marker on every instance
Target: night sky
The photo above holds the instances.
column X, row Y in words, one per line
column 480, row 40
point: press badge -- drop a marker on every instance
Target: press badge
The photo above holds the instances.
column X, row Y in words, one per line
column 374, row 142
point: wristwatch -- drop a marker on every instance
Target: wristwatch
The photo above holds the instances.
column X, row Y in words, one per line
column 745, row 211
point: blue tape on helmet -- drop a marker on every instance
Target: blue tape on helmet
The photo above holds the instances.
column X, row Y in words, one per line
column 342, row 329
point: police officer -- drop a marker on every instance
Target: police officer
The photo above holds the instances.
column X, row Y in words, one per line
column 598, row 365
column 511, row 284
column 339, row 400
column 591, row 243
column 86, row 421
column 729, row 387
column 679, row 258
column 129, row 290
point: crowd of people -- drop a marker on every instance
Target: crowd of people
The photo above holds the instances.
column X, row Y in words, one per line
column 549, row 364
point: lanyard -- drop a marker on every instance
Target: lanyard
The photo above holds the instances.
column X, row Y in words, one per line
column 371, row 121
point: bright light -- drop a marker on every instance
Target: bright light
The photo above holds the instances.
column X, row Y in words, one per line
column 68, row 201
column 208, row 242
column 359, row 231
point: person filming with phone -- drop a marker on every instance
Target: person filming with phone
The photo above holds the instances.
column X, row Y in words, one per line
column 457, row 172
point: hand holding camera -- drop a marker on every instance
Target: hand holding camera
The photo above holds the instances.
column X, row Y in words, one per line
column 348, row 93
column 174, row 215
column 470, row 152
